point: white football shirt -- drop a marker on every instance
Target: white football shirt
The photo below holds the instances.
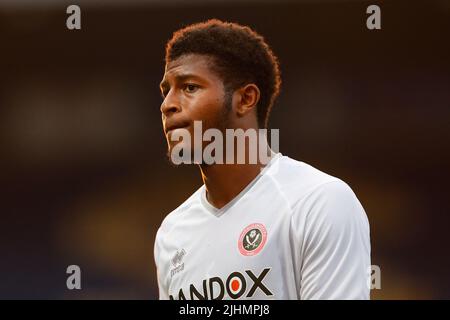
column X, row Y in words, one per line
column 294, row 232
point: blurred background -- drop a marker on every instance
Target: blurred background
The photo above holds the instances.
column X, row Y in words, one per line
column 84, row 178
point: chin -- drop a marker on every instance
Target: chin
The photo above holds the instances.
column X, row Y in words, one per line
column 178, row 157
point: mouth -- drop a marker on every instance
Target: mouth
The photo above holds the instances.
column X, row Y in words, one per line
column 171, row 128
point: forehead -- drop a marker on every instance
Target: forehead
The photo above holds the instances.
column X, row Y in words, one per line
column 191, row 64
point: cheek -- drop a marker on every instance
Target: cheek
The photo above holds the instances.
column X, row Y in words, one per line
column 208, row 108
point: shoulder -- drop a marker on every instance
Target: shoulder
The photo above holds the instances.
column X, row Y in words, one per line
column 312, row 193
column 334, row 201
column 295, row 180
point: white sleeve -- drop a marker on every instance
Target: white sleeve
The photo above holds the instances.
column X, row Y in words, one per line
column 163, row 291
column 335, row 250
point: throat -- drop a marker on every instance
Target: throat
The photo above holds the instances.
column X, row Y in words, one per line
column 223, row 182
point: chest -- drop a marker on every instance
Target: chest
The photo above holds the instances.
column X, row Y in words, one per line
column 234, row 256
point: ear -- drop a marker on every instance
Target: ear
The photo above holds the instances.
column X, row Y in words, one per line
column 247, row 99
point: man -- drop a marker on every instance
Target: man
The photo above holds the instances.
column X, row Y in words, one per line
column 276, row 229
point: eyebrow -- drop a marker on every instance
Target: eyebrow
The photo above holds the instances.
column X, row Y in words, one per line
column 180, row 78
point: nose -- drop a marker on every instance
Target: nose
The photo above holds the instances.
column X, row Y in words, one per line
column 170, row 105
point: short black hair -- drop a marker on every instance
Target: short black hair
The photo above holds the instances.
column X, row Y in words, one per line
column 240, row 54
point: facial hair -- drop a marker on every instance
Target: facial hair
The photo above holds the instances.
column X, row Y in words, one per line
column 221, row 123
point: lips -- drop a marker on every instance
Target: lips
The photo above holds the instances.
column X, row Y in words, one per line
column 173, row 126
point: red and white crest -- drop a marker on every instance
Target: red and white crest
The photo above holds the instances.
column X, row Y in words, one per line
column 252, row 239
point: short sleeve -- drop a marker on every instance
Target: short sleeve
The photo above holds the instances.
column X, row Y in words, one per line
column 335, row 250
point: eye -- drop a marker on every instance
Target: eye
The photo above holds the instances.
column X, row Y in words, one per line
column 190, row 88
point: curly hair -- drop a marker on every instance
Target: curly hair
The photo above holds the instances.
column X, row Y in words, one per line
column 240, row 56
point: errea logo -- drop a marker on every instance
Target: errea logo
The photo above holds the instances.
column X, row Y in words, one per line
column 177, row 262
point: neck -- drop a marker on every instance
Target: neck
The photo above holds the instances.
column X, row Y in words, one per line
column 224, row 182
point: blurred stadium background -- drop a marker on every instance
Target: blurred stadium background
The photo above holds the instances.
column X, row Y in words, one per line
column 84, row 178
